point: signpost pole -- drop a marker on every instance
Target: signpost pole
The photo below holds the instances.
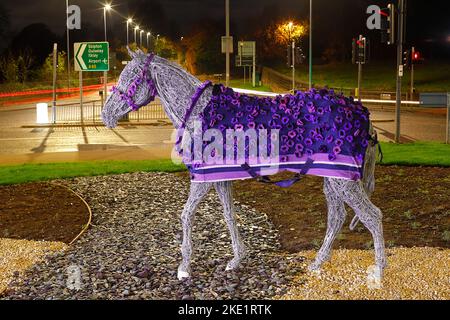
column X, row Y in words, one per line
column 55, row 60
column 81, row 95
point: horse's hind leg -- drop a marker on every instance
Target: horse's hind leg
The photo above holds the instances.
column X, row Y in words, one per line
column 354, row 195
column 225, row 191
column 197, row 193
column 336, row 218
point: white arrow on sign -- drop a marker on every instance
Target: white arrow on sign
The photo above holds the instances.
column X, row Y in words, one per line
column 80, row 56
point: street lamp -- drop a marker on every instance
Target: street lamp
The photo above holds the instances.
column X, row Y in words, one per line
column 148, row 35
column 136, row 29
column 140, row 37
column 129, row 21
column 107, row 7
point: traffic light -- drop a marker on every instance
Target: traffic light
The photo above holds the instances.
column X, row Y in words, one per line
column 360, row 50
column 388, row 24
column 407, row 58
column 416, row 57
column 354, row 51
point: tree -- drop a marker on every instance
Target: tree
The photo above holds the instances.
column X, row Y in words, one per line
column 24, row 62
column 202, row 49
column 37, row 39
column 47, row 68
column 8, row 68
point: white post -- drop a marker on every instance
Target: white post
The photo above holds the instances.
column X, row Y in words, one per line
column 55, row 62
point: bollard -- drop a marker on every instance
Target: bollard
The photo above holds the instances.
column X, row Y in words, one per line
column 41, row 113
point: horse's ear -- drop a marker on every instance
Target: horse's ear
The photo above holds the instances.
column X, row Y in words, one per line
column 131, row 53
column 139, row 51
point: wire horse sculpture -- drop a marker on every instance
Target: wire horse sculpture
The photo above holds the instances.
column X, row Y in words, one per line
column 185, row 99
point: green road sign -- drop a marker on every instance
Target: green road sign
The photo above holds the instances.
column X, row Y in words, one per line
column 91, row 56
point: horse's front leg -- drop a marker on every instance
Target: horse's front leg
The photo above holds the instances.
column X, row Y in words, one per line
column 225, row 191
column 336, row 219
column 197, row 193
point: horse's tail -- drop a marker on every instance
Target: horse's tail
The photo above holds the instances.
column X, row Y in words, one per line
column 368, row 179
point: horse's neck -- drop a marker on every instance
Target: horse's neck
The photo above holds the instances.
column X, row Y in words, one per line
column 175, row 89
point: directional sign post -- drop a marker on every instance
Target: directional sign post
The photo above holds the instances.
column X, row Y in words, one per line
column 90, row 57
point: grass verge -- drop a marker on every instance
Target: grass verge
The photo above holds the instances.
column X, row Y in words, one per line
column 49, row 171
column 414, row 154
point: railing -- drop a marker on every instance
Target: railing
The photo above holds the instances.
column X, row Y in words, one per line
column 91, row 112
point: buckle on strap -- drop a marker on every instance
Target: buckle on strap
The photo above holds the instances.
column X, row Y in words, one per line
column 283, row 183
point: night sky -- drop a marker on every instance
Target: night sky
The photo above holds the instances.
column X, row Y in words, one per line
column 428, row 21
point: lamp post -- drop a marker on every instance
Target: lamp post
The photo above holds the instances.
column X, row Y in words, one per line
column 136, row 29
column 129, row 21
column 148, row 35
column 140, row 37
column 310, row 44
column 68, row 43
column 107, row 7
column 291, row 25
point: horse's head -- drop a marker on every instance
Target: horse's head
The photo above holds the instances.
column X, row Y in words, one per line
column 134, row 89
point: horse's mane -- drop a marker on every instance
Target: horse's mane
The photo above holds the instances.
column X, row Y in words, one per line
column 175, row 86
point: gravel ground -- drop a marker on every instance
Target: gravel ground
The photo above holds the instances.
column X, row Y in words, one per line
column 132, row 249
column 16, row 256
column 412, row 274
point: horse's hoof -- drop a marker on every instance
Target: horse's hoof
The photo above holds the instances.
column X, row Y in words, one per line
column 314, row 267
column 374, row 277
column 183, row 275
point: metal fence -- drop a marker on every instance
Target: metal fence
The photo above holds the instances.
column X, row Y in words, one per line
column 91, row 112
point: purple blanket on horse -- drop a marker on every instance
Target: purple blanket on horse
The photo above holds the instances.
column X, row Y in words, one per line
column 320, row 133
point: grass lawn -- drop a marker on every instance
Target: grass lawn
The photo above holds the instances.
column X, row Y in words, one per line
column 415, row 154
column 430, row 76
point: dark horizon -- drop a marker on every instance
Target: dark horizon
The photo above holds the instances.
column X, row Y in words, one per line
column 427, row 24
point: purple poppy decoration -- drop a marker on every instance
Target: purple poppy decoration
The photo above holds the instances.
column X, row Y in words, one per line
column 285, row 120
column 339, row 142
column 299, row 147
column 329, row 139
column 349, row 139
column 338, row 119
column 292, row 134
column 341, row 134
column 308, row 142
column 348, row 126
column 337, row 150
column 309, row 152
column 332, row 157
